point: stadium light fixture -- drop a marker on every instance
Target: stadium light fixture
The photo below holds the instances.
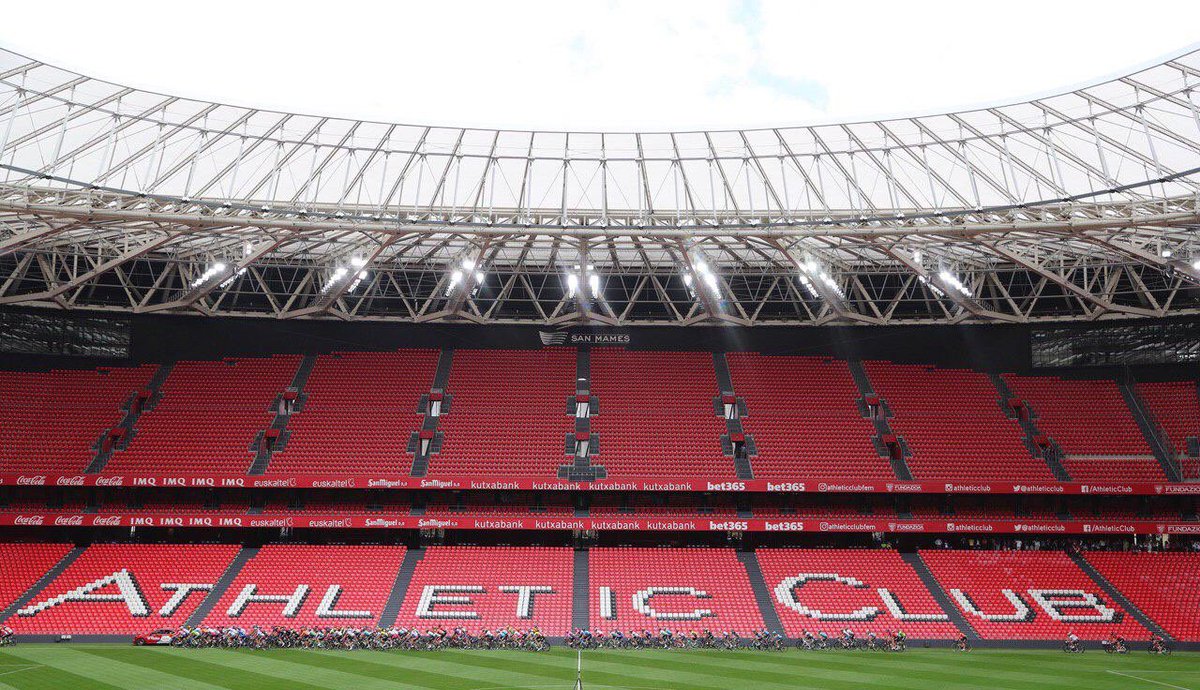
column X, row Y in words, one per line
column 1196, row 265
column 952, row 280
column 1166, row 253
column 212, row 271
column 572, row 284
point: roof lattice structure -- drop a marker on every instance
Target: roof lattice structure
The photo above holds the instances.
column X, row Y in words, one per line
column 1081, row 205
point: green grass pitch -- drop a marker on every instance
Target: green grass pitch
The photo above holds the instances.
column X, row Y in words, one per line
column 116, row 666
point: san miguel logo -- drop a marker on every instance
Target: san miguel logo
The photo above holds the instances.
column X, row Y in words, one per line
column 556, row 338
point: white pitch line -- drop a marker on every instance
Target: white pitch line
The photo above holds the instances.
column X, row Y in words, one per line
column 23, row 668
column 1147, row 680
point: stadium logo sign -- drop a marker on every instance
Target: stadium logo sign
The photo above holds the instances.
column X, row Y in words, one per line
column 29, row 520
column 334, row 483
column 38, row 480
column 110, row 521
column 77, row 480
column 786, row 486
column 903, row 488
column 556, row 338
column 727, row 486
column 784, row 526
column 387, row 484
column 1179, row 489
column 110, row 481
column 69, row 520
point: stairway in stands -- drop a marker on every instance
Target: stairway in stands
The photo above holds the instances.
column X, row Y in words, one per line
column 735, row 442
column 1038, row 443
column 214, row 595
column 1152, row 432
column 403, row 577
column 294, row 394
column 42, row 582
column 762, row 594
column 119, row 436
column 887, row 443
column 582, row 469
column 913, row 559
column 429, row 432
column 1115, row 594
column 580, row 592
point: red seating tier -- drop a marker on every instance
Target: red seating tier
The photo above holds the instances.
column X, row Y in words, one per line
column 952, row 421
column 1029, row 595
column 481, row 588
column 23, row 565
column 508, row 413
column 1175, row 405
column 864, row 590
column 310, row 585
column 1085, row 417
column 1164, row 586
column 681, row 589
column 119, row 588
column 804, row 419
column 359, row 411
column 51, row 420
column 208, row 417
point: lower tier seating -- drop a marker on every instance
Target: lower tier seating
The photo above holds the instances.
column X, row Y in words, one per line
column 1029, row 595
column 299, row 585
column 863, row 589
column 24, row 564
column 125, row 588
column 479, row 588
column 682, row 589
column 1164, row 586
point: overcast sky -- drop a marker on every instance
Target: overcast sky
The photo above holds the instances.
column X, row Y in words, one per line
column 649, row 65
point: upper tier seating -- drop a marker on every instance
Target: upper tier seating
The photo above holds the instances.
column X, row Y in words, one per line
column 681, row 589
column 656, row 414
column 51, row 420
column 23, row 565
column 484, row 582
column 208, row 417
column 1164, row 586
column 119, row 588
column 324, row 586
column 952, row 422
column 843, row 589
column 1092, row 424
column 804, row 419
column 1175, row 405
column 508, row 413
column 1003, row 588
column 360, row 409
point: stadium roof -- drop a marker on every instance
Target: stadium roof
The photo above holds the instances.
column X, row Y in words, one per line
column 1077, row 206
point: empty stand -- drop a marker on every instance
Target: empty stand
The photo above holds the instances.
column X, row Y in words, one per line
column 953, row 424
column 359, row 410
column 508, row 414
column 1164, row 586
column 208, row 416
column 52, row 421
column 1028, row 595
column 298, row 585
column 23, row 565
column 862, row 589
column 1175, row 406
column 804, row 418
column 125, row 588
column 481, row 588
column 1091, row 422
column 682, row 589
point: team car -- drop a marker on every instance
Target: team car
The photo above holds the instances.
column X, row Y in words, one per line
column 158, row 637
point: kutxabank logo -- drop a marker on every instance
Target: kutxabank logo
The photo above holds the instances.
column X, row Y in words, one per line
column 553, row 337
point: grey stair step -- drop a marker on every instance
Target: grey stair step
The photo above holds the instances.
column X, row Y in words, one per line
column 129, row 420
column 762, row 595
column 939, row 595
column 42, row 582
column 1051, row 456
column 1116, row 595
column 403, row 577
column 1151, row 431
column 231, row 572
column 262, row 456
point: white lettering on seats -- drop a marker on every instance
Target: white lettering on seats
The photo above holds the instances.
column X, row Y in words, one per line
column 641, row 603
column 181, row 592
column 130, row 594
column 432, row 596
column 1020, row 612
column 325, row 609
column 897, row 610
column 294, row 600
column 525, row 597
column 608, row 604
column 1054, row 601
column 785, row 593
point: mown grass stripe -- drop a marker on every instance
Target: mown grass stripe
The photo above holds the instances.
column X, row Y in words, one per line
column 192, row 668
column 54, row 673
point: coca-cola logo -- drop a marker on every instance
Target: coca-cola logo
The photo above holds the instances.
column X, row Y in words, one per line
column 110, row 481
column 108, row 521
column 29, row 520
column 71, row 481
column 37, row 480
column 69, row 520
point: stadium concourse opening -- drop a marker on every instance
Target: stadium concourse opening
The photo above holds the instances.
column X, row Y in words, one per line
column 886, row 394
